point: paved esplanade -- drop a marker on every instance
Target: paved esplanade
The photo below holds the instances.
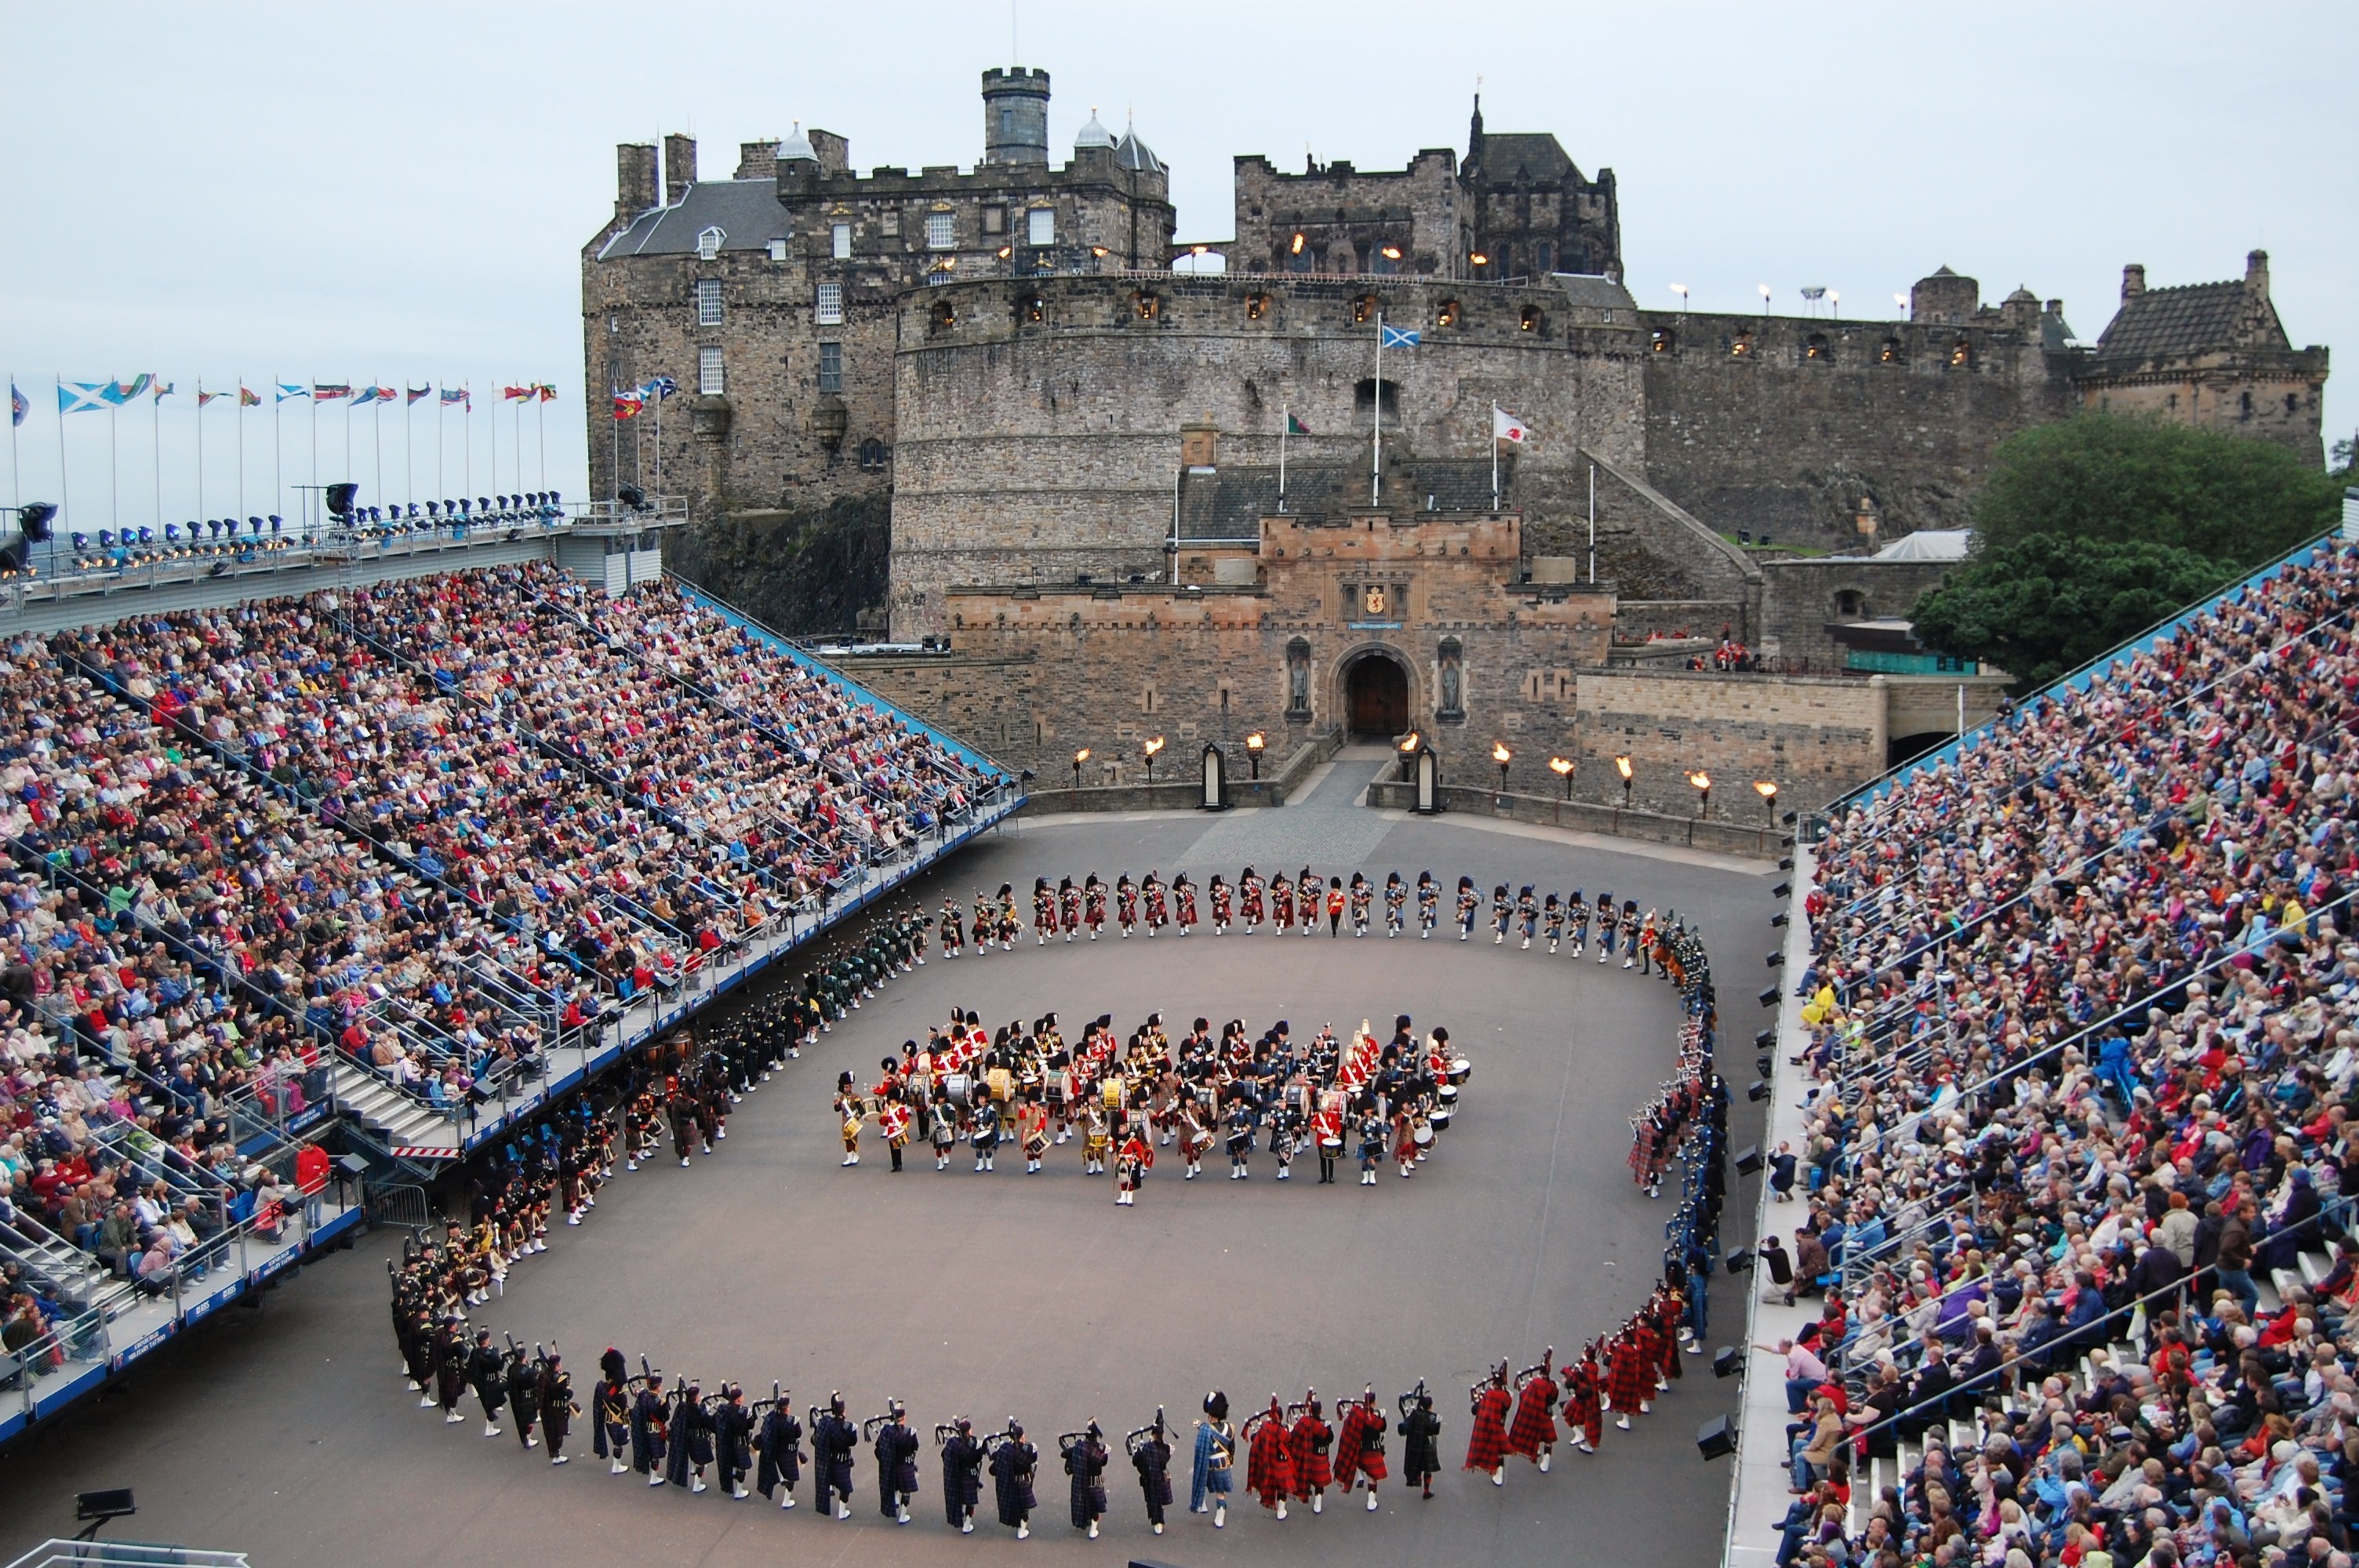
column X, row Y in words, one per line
column 287, row 1431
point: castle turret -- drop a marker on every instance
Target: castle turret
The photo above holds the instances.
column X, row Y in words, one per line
column 1015, row 115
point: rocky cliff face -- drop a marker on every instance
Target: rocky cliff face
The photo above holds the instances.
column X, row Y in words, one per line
column 800, row 570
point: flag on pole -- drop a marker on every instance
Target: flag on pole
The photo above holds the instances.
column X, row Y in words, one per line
column 134, row 386
column 328, row 392
column 456, row 395
column 82, row 396
column 1295, row 427
column 204, row 396
column 545, row 392
column 17, row 407
column 368, row 395
column 412, row 393
column 162, row 389
column 288, row 389
column 1397, row 337
column 1506, row 426
column 628, row 401
column 663, row 386
column 246, row 399
column 517, row 394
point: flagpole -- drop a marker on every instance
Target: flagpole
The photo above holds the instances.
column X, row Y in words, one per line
column 467, row 427
column 238, row 427
column 1377, row 450
column 659, row 403
column 542, row 418
column 1284, row 424
column 408, row 468
column 201, row 459
column 518, row 476
column 60, row 382
column 16, row 479
column 1495, row 459
column 113, row 467
column 156, row 450
column 616, row 413
column 278, row 464
column 376, row 440
column 312, row 495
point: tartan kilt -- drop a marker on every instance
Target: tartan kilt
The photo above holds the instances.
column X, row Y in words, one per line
column 1535, row 1421
column 1582, row 1410
column 1312, row 1471
column 1269, row 1464
column 1629, row 1378
column 1486, row 1445
column 1368, row 1457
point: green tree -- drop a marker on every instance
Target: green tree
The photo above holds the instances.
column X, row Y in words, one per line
column 2117, row 479
column 2044, row 606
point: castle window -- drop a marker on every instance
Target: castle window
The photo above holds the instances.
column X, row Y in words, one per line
column 831, row 367
column 708, row 302
column 777, row 250
column 827, row 307
column 1532, row 319
column 1363, row 396
column 1816, row 348
column 708, row 243
column 1299, row 259
column 1256, row 306
column 2246, row 403
column 1036, row 309
column 1741, row 345
column 839, row 240
column 941, row 231
column 1961, row 353
column 945, row 316
column 1661, row 341
column 1147, row 305
column 1890, row 353
column 1851, row 604
column 1364, row 310
column 709, row 379
column 2292, row 403
column 1384, row 259
column 1546, row 254
column 873, row 454
column 995, row 219
column 1448, row 315
column 1040, row 226
column 888, row 223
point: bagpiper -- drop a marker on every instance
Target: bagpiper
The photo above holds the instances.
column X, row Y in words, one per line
column 777, row 1443
column 1607, row 921
column 1486, row 1443
column 1584, row 1388
column 1576, row 911
column 962, row 1473
column 1396, row 903
column 1125, row 904
column 1068, row 906
column 1249, row 894
column 1044, row 911
column 1527, row 916
column 1132, row 1164
column 1360, row 1445
column 1421, row 1432
column 1183, row 898
column 1223, row 906
column 1429, row 905
column 1095, row 900
column 832, row 1440
column 1216, row 1455
column 896, row 1447
column 1085, row 1462
column 1469, row 901
column 1150, row 1454
column 1552, row 921
column 1309, row 1441
column 1269, row 1461
column 1013, row 1463
column 1533, row 1433
column 1159, row 907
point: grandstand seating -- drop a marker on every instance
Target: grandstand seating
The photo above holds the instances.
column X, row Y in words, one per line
column 2083, row 1031
column 424, row 852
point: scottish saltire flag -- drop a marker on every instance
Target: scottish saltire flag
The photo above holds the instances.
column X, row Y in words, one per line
column 663, row 386
column 328, row 392
column 81, row 397
column 17, row 407
column 412, row 393
column 456, row 395
column 247, row 399
column 288, row 389
column 1397, row 337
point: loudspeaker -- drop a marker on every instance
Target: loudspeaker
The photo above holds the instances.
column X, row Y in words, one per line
column 1777, row 960
column 33, row 517
column 1716, row 1439
column 1769, row 996
column 1764, row 1063
column 1727, row 1361
column 1779, row 918
column 1787, row 864
column 1739, row 1260
column 1749, row 1160
column 1766, row 1040
column 1781, row 890
column 351, row 1164
column 1756, row 1091
column 340, row 498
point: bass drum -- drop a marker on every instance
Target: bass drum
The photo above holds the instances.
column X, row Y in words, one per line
column 959, row 1087
column 1002, row 1083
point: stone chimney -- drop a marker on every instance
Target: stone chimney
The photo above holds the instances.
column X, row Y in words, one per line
column 757, row 160
column 835, row 152
column 2133, row 281
column 1200, row 445
column 635, row 180
column 2257, row 274
column 680, row 167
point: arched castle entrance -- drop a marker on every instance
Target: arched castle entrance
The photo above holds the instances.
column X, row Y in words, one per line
column 1375, row 694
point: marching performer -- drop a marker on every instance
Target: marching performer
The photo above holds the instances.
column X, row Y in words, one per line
column 1499, row 914
column 962, row 1473
column 1583, row 1402
column 851, row 1110
column 1131, row 1166
column 1607, row 921
column 1308, row 1443
column 1159, row 909
column 1395, row 901
column 1486, row 1444
column 649, row 1428
column 832, row 1440
column 1032, row 1131
column 1552, row 921
column 557, row 1407
column 1249, row 895
column 1281, row 904
column 1097, row 1137
column 1125, row 904
column 612, row 1402
column 487, row 1369
column 897, row 1463
column 1360, row 1445
column 1093, row 901
column 1150, row 1454
column 953, row 939
column 1647, row 937
column 1337, row 901
column 1532, row 1434
column 1216, row 1455
column 1421, row 1432
column 1013, row 1461
column 1044, row 912
column 781, row 1458
column 892, row 1121
column 1527, row 916
column 1429, row 905
column 942, row 1127
column 1576, row 911
column 1085, row 1462
column 1629, row 933
column 1372, row 1141
column 1068, row 906
column 1270, row 1462
column 984, row 1129
column 1307, row 902
column 1469, row 901
column 1629, row 1378
column 1224, row 905
column 1183, row 895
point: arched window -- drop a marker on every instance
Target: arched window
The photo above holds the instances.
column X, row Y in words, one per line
column 874, row 454
column 1147, row 305
column 1447, row 315
column 1035, row 310
column 1533, row 319
column 1850, row 604
column 1364, row 310
column 1256, row 306
column 1889, row 354
column 1662, row 341
column 1741, row 345
column 1961, row 353
column 1363, row 396
column 945, row 314
column 1817, row 348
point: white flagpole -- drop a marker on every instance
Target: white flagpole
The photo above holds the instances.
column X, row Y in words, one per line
column 441, row 488
column 540, row 418
column 60, row 382
column 201, row 463
column 467, row 428
column 312, row 495
column 16, row 479
column 1285, row 423
column 519, row 475
column 1377, row 450
column 1494, row 458
column 278, row 464
column 237, row 424
column 155, row 445
column 114, row 468
column 615, row 419
column 659, row 403
column 376, row 440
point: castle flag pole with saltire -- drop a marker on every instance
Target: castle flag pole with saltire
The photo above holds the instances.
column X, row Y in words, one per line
column 1287, row 425
column 1504, row 426
column 1387, row 337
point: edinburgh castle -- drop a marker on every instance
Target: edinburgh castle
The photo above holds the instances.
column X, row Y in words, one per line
column 1097, row 482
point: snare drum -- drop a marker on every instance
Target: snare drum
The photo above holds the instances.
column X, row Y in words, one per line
column 1448, row 1094
column 959, row 1087
column 1441, row 1118
column 1461, row 1069
column 1421, row 1135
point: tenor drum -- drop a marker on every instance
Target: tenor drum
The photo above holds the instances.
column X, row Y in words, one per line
column 1441, row 1118
column 959, row 1087
column 1003, row 1085
column 1460, row 1070
column 1448, row 1094
column 1330, row 1143
column 1423, row 1134
column 1111, row 1093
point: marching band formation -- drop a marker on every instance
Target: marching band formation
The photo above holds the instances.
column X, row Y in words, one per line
column 1123, row 1096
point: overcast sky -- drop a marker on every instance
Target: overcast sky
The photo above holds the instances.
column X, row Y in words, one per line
column 397, row 194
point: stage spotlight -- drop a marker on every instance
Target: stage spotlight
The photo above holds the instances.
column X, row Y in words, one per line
column 341, row 497
column 33, row 518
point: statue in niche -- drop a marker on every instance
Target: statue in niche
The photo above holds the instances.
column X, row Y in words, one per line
column 1453, row 681
column 1297, row 676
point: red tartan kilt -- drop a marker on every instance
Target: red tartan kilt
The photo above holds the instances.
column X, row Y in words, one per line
column 1534, row 1424
column 1312, row 1470
column 1630, row 1383
column 1487, row 1444
column 1372, row 1466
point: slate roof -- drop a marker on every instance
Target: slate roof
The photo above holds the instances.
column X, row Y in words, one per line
column 745, row 211
column 1590, row 288
column 2189, row 319
column 1535, row 153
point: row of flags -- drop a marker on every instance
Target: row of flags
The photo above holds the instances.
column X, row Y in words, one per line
column 91, row 397
column 630, row 400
